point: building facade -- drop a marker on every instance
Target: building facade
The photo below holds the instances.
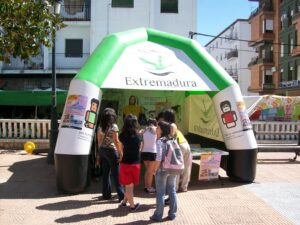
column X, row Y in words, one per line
column 88, row 22
column 230, row 49
column 274, row 33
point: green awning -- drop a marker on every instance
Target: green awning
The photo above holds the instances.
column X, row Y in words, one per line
column 31, row 98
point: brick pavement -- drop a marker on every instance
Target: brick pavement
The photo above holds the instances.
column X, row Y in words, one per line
column 28, row 195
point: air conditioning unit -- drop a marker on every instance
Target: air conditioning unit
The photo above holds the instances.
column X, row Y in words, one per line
column 273, row 69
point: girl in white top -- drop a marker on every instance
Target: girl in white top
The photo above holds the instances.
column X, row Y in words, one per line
column 148, row 154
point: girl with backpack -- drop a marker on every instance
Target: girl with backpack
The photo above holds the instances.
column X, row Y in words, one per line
column 165, row 180
column 183, row 179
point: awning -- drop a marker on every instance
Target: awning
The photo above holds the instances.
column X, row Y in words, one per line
column 31, row 98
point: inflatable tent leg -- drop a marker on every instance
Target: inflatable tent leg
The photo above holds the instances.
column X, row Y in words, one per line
column 238, row 134
column 75, row 137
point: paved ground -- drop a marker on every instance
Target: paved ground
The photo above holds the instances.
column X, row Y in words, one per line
column 28, row 196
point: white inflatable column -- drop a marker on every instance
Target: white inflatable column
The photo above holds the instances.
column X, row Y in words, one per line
column 75, row 136
column 238, row 134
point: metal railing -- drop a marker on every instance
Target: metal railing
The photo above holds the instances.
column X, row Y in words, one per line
column 281, row 132
column 75, row 12
column 232, row 54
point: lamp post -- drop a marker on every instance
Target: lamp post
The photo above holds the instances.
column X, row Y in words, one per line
column 54, row 123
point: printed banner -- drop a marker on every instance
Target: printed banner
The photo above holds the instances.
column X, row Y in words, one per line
column 209, row 165
column 155, row 67
column 202, row 117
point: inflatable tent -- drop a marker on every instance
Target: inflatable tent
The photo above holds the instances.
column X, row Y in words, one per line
column 148, row 59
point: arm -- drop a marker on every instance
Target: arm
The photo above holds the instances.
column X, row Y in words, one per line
column 118, row 145
column 141, row 146
column 158, row 156
column 173, row 130
column 99, row 138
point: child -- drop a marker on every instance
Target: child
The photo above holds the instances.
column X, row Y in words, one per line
column 130, row 164
column 148, row 154
column 164, row 181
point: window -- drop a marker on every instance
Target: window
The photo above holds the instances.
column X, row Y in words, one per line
column 290, row 73
column 122, row 3
column 282, row 50
column 74, row 48
column 169, row 6
column 268, row 78
column 268, row 26
column 291, row 44
column 73, row 6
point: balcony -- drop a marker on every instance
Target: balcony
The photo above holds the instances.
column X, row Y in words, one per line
column 34, row 63
column 39, row 64
column 265, row 60
column 268, row 86
column 263, row 7
column 295, row 51
column 261, row 60
column 253, row 61
column 260, row 39
column 76, row 12
column 232, row 54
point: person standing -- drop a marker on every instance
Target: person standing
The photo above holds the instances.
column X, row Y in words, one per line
column 110, row 152
column 131, row 141
column 148, row 154
column 183, row 179
column 165, row 182
column 132, row 108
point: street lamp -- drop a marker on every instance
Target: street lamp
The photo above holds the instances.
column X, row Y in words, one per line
column 54, row 123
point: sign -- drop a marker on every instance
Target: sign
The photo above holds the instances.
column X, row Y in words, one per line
column 209, row 165
column 150, row 66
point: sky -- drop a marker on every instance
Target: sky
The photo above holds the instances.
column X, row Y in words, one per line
column 216, row 15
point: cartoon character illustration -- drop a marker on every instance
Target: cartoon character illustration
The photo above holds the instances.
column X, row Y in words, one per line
column 91, row 115
column 228, row 117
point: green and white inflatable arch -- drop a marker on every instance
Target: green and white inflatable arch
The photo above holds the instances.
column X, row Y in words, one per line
column 148, row 59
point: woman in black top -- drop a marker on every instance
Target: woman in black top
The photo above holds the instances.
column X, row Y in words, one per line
column 130, row 165
column 110, row 153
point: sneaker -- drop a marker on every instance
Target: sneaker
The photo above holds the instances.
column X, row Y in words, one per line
column 155, row 219
column 136, row 207
column 122, row 204
column 150, row 190
column 171, row 218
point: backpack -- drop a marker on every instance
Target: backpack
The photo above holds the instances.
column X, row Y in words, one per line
column 172, row 158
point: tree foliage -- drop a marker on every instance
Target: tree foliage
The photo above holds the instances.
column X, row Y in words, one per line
column 25, row 25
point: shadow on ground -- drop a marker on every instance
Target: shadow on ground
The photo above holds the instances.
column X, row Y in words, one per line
column 35, row 179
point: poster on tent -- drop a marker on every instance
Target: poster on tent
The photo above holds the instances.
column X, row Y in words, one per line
column 202, row 117
column 74, row 112
column 209, row 165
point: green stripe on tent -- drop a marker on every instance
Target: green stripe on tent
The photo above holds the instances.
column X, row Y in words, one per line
column 110, row 49
column 31, row 98
column 107, row 53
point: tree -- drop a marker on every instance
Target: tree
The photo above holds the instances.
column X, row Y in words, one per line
column 25, row 25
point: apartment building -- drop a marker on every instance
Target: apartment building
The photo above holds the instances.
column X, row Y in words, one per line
column 230, row 49
column 274, row 33
column 88, row 22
